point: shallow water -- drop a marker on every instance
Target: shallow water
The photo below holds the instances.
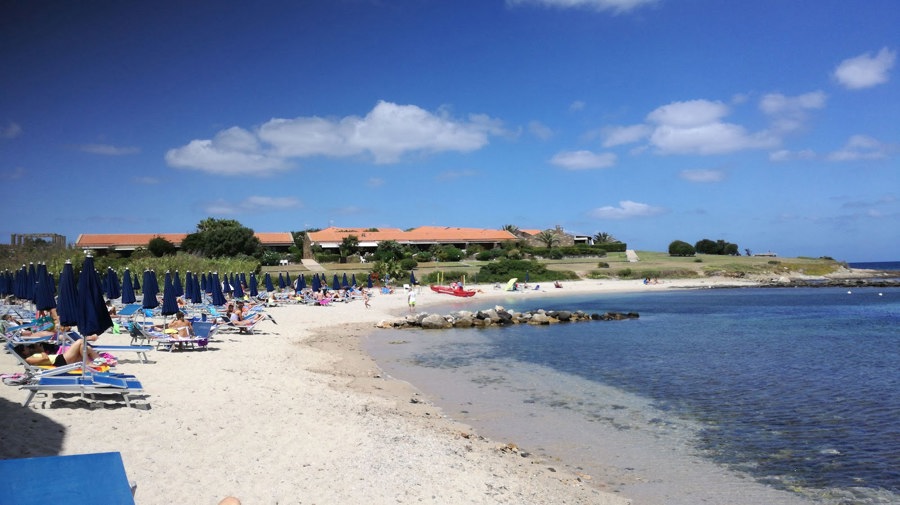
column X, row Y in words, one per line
column 729, row 396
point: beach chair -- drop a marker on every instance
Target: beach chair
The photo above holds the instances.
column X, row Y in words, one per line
column 34, row 370
column 140, row 350
column 80, row 479
column 248, row 328
column 87, row 384
column 203, row 331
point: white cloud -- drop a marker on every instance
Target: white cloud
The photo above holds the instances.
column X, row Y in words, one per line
column 387, row 132
column 695, row 127
column 576, row 106
column 626, row 209
column 583, row 160
column 616, row 6
column 702, row 175
column 618, row 135
column 713, row 138
column 688, row 114
column 860, row 147
column 252, row 204
column 787, row 155
column 790, row 113
column 540, row 130
column 234, row 151
column 375, row 182
column 865, row 71
column 108, row 150
column 11, row 131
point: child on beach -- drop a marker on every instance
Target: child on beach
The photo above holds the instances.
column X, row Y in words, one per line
column 411, row 299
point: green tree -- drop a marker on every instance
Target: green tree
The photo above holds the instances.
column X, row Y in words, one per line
column 349, row 245
column 388, row 250
column 510, row 228
column 604, row 238
column 548, row 238
column 222, row 238
column 681, row 248
column 160, row 247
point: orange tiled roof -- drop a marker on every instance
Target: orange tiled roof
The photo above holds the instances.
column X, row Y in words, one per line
column 126, row 240
column 530, row 232
column 97, row 240
column 421, row 234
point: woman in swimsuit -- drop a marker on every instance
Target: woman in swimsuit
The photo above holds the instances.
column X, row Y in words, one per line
column 36, row 354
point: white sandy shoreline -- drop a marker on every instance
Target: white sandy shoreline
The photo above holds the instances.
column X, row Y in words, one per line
column 298, row 414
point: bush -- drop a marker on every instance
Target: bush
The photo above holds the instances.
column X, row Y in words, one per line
column 423, row 257
column 626, row 273
column 505, row 269
column 603, row 264
column 408, row 263
column 680, row 248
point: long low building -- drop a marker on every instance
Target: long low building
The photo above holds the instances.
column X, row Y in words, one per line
column 127, row 242
column 330, row 239
column 421, row 237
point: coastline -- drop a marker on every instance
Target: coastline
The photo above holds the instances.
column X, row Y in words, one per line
column 299, row 413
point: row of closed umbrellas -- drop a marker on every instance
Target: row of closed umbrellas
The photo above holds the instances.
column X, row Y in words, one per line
column 35, row 283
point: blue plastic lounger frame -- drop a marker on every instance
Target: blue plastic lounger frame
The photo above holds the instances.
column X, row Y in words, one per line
column 98, row 383
column 81, row 479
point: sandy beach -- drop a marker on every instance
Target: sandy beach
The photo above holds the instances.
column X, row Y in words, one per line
column 298, row 413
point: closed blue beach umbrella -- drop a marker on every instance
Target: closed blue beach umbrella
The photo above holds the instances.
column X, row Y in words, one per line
column 254, row 286
column 344, row 283
column 412, row 278
column 115, row 290
column 218, row 298
column 151, row 289
column 127, row 288
column 30, row 277
column 335, row 283
column 226, row 286
column 93, row 317
column 204, row 283
column 353, row 280
column 43, row 296
column 170, row 299
column 137, row 285
column 67, row 304
column 176, row 283
column 268, row 282
column 197, row 293
column 287, row 280
column 369, row 282
column 281, row 283
column 188, row 285
column 301, row 282
column 238, row 289
column 316, row 283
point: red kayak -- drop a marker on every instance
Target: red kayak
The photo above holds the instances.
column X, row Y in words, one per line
column 452, row 291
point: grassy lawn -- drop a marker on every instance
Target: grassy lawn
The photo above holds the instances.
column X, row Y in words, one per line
column 651, row 264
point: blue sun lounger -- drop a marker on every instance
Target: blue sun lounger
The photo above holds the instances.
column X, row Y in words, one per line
column 97, row 383
column 140, row 350
column 81, row 479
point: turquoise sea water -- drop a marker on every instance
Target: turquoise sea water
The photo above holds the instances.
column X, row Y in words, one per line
column 724, row 396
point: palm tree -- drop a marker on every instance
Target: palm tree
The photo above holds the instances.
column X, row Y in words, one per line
column 548, row 238
column 604, row 238
column 511, row 228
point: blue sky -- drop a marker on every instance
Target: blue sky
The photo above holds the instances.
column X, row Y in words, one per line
column 771, row 124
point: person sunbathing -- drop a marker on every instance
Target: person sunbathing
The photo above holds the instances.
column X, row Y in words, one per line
column 44, row 325
column 183, row 328
column 36, row 354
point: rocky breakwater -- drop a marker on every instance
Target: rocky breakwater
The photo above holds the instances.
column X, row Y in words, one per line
column 498, row 316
